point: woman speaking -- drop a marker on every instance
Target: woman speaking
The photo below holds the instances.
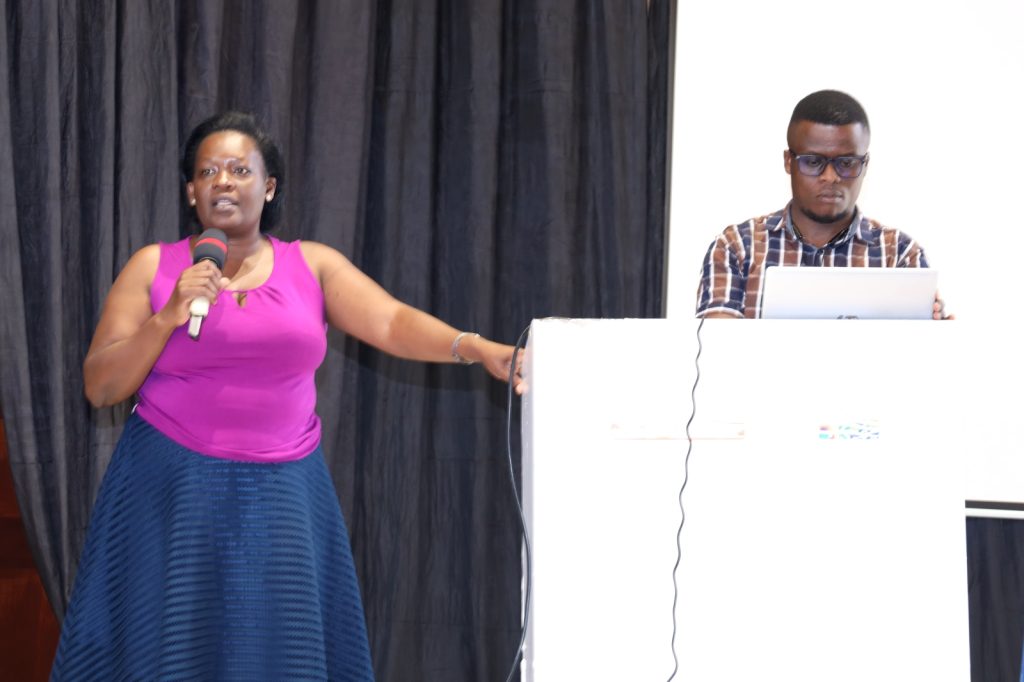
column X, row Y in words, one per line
column 216, row 548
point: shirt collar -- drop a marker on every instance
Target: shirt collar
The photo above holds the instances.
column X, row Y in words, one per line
column 860, row 227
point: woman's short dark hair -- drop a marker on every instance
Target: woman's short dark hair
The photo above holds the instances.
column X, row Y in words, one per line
column 246, row 124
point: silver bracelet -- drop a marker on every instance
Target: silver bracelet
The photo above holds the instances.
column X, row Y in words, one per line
column 455, row 348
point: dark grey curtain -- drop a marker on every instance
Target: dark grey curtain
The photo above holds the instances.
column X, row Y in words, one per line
column 995, row 575
column 488, row 161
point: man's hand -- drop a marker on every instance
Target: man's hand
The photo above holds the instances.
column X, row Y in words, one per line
column 939, row 309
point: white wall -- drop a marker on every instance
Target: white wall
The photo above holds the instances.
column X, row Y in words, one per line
column 943, row 85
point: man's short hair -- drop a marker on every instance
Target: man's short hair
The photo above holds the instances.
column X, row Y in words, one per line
column 830, row 107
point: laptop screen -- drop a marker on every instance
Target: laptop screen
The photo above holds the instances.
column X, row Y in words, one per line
column 841, row 292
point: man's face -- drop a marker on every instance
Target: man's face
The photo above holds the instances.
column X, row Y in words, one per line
column 828, row 198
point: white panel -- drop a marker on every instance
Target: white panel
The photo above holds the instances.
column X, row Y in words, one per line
column 824, row 534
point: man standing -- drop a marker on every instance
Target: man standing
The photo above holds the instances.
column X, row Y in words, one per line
column 828, row 139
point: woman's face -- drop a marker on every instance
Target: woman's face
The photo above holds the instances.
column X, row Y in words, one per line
column 229, row 185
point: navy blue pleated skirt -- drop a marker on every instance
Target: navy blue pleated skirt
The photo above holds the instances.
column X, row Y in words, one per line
column 197, row 568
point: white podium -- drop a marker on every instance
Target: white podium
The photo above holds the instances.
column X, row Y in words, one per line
column 824, row 506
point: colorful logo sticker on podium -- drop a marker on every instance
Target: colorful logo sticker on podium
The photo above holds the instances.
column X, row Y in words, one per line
column 862, row 430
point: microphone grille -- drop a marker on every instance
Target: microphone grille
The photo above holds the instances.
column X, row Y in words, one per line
column 212, row 245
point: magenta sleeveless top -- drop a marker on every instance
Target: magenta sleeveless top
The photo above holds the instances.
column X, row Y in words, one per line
column 245, row 389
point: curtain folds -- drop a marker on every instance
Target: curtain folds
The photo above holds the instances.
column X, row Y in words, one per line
column 490, row 162
column 995, row 575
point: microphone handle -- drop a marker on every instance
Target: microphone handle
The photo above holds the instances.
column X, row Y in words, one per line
column 198, row 309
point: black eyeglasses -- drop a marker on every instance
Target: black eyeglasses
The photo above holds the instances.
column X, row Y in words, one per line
column 845, row 166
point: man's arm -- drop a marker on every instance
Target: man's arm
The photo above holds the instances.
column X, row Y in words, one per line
column 722, row 288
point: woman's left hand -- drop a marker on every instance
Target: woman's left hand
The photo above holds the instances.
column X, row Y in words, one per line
column 496, row 359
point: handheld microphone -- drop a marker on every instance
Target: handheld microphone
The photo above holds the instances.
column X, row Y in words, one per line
column 212, row 246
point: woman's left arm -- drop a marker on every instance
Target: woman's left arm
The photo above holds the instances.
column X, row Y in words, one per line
column 359, row 306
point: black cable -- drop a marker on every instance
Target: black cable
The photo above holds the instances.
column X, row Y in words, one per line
column 682, row 512
column 519, row 506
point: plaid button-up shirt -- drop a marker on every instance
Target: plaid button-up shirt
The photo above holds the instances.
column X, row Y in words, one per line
column 732, row 274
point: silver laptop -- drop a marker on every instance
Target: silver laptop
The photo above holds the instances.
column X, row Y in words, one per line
column 846, row 293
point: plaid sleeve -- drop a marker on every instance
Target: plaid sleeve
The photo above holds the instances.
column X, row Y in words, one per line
column 722, row 283
column 911, row 254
